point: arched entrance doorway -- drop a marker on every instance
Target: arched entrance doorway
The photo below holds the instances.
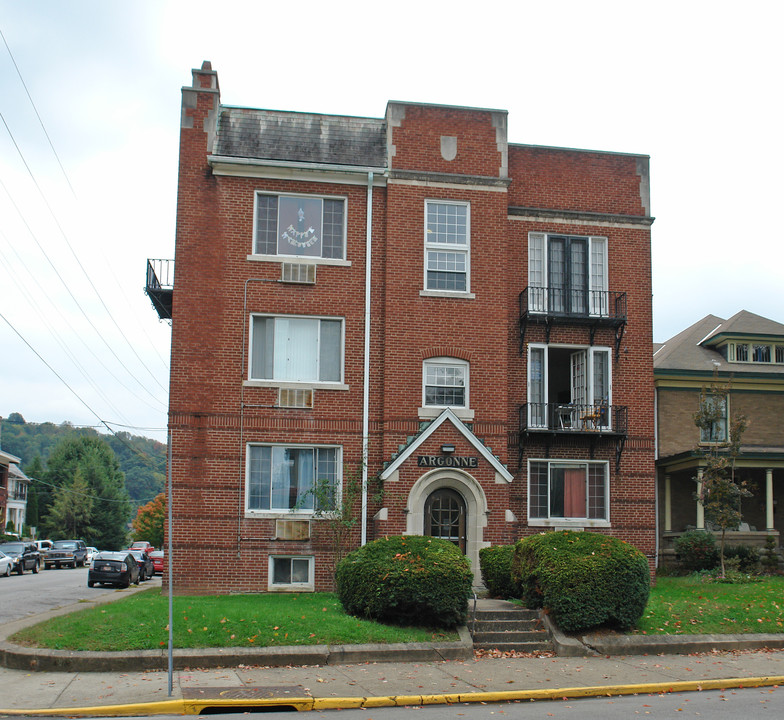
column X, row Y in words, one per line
column 445, row 516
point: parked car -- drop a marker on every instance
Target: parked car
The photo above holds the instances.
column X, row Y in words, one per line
column 6, row 564
column 113, row 568
column 91, row 553
column 146, row 569
column 157, row 561
column 68, row 553
column 24, row 554
column 142, row 545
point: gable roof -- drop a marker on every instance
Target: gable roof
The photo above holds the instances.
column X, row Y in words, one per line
column 447, row 416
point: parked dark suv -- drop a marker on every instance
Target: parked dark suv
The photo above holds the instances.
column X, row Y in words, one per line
column 24, row 554
column 68, row 553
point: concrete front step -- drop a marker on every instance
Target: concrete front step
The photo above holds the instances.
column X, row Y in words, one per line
column 526, row 647
column 508, row 628
column 510, row 636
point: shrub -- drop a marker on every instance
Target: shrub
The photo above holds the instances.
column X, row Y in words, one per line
column 770, row 560
column 496, row 565
column 696, row 550
column 583, row 579
column 409, row 580
column 748, row 558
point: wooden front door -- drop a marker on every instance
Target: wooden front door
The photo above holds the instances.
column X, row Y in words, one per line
column 445, row 517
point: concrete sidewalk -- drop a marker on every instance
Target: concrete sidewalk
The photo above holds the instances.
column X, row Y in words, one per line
column 111, row 690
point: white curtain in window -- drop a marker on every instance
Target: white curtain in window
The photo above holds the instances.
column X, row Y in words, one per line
column 599, row 299
column 296, row 349
column 536, row 292
column 536, row 392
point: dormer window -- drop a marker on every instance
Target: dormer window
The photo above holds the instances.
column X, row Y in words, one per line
column 755, row 353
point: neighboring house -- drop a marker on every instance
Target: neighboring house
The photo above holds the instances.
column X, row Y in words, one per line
column 16, row 508
column 13, row 492
column 472, row 317
column 746, row 352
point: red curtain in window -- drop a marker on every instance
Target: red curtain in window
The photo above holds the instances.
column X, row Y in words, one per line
column 574, row 493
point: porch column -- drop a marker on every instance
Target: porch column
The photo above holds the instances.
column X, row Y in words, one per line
column 769, row 499
column 700, row 506
column 667, row 504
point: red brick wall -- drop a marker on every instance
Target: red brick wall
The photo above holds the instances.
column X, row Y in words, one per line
column 565, row 179
column 213, row 417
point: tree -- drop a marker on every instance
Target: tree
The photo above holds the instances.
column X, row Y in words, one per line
column 101, row 471
column 71, row 511
column 721, row 489
column 149, row 521
column 34, row 470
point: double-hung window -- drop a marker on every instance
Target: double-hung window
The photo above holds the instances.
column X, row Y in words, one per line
column 300, row 225
column 284, row 478
column 567, row 274
column 568, row 490
column 714, row 413
column 445, row 383
column 289, row 348
column 447, row 257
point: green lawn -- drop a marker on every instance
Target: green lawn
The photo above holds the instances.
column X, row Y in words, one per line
column 691, row 605
column 139, row 622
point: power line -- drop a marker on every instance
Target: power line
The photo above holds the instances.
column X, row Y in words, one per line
column 35, row 109
column 73, row 297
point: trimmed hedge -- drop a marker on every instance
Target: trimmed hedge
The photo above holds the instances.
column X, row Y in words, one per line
column 495, row 562
column 410, row 580
column 583, row 579
column 696, row 550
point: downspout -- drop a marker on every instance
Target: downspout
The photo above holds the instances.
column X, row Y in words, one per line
column 366, row 370
column 656, row 470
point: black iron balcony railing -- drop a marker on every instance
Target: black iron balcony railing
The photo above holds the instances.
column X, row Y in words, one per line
column 559, row 302
column 570, row 418
column 593, row 308
column 160, row 286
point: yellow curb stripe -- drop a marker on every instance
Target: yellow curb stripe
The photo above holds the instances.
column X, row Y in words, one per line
column 195, row 707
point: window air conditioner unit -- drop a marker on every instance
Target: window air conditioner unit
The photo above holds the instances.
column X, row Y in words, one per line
column 304, row 273
column 292, row 529
column 291, row 398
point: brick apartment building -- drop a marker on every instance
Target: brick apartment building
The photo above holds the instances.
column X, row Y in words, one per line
column 471, row 316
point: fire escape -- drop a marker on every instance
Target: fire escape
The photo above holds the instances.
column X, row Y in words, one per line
column 160, row 286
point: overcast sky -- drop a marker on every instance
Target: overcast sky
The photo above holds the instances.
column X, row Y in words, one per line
column 695, row 85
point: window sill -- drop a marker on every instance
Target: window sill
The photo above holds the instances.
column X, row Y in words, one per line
column 295, row 385
column 280, row 515
column 568, row 523
column 299, row 587
column 299, row 259
column 430, row 413
column 447, row 294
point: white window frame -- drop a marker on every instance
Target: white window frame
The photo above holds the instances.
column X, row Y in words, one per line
column 749, row 350
column 284, row 512
column 308, row 586
column 591, row 352
column 464, row 412
column 538, row 272
column 461, row 249
column 570, row 522
column 293, row 383
column 294, row 255
column 711, row 397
